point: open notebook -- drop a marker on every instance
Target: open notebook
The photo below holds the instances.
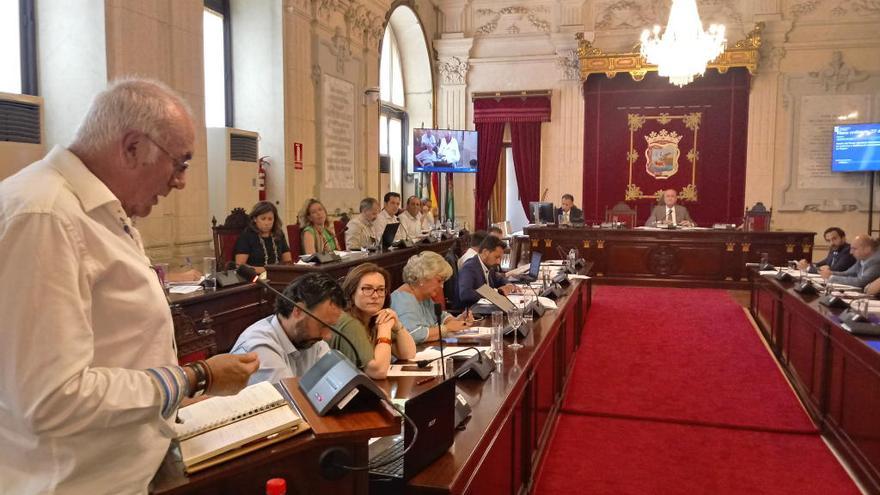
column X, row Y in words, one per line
column 221, row 428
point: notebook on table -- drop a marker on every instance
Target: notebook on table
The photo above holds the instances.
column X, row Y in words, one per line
column 221, row 428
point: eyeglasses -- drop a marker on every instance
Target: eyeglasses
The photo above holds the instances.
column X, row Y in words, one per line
column 370, row 291
column 180, row 164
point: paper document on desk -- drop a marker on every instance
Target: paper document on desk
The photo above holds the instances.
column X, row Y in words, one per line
column 184, row 289
column 474, row 332
column 434, row 352
column 547, row 303
column 577, row 276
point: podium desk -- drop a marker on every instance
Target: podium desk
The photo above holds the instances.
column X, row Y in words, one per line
column 682, row 257
column 295, row 459
column 513, row 411
column 392, row 260
column 835, row 373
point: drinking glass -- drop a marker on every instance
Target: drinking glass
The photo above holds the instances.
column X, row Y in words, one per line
column 209, row 263
column 515, row 322
column 527, row 309
column 162, row 271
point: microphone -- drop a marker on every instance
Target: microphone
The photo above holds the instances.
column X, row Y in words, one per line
column 249, row 274
column 403, row 226
column 438, row 313
column 425, row 362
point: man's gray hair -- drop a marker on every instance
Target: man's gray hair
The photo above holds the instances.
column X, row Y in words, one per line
column 368, row 203
column 130, row 104
column 424, row 266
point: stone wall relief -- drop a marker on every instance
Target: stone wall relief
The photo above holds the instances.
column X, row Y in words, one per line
column 569, row 65
column 340, row 47
column 838, row 76
column 453, row 70
column 513, row 20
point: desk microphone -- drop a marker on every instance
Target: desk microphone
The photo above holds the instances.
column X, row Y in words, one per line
column 438, row 313
column 249, row 274
column 425, row 362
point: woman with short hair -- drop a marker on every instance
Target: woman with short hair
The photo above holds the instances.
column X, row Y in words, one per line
column 423, row 276
column 317, row 232
column 262, row 242
column 375, row 332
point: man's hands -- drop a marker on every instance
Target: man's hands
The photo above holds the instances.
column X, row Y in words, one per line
column 230, row 372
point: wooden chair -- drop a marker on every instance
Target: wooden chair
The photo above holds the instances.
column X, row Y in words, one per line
column 226, row 235
column 294, row 240
column 339, row 230
column 757, row 219
column 193, row 343
column 621, row 212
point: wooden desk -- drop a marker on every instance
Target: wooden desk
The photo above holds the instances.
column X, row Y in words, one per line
column 297, row 460
column 836, row 374
column 685, row 258
column 513, row 410
column 393, row 261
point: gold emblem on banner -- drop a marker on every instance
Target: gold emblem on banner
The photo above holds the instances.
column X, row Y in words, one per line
column 661, row 155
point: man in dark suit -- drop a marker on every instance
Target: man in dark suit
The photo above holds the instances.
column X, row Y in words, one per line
column 670, row 213
column 570, row 213
column 483, row 269
column 864, row 271
column 839, row 258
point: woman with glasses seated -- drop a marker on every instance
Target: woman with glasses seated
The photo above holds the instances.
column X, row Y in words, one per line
column 374, row 331
column 423, row 278
column 262, row 242
column 317, row 232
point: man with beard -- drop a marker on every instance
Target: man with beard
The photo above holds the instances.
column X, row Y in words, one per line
column 290, row 342
column 483, row 269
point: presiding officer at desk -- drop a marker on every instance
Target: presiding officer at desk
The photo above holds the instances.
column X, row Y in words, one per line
column 839, row 257
column 864, row 271
column 423, row 277
column 262, row 242
column 483, row 269
column 90, row 384
column 670, row 213
column 569, row 212
column 290, row 342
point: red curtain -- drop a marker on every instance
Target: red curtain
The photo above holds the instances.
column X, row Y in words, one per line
column 489, row 136
column 525, row 139
column 525, row 115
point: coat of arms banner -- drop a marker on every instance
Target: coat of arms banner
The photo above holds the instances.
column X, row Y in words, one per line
column 662, row 154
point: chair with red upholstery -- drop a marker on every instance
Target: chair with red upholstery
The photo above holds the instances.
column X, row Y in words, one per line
column 621, row 212
column 294, row 240
column 226, row 235
column 339, row 230
column 757, row 219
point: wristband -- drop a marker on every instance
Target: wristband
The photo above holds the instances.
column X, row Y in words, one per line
column 383, row 340
column 198, row 368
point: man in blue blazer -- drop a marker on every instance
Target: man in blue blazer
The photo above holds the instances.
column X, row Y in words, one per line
column 483, row 269
column 864, row 271
column 839, row 258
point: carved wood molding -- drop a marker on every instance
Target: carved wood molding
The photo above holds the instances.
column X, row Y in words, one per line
column 743, row 53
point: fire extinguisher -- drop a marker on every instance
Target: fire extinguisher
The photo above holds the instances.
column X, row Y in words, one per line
column 261, row 177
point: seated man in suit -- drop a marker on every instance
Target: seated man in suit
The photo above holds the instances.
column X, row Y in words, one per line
column 483, row 269
column 839, row 258
column 670, row 213
column 865, row 270
column 496, row 231
column 570, row 213
column 476, row 239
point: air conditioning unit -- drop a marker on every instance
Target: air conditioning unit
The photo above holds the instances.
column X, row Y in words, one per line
column 232, row 170
column 21, row 132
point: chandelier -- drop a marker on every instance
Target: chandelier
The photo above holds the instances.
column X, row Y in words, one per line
column 685, row 49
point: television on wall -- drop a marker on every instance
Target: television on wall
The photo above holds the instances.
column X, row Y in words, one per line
column 441, row 150
column 856, row 148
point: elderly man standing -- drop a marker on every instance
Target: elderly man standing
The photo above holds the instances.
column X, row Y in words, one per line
column 89, row 381
column 670, row 213
column 864, row 271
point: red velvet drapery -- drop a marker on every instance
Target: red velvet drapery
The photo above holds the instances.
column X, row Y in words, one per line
column 525, row 115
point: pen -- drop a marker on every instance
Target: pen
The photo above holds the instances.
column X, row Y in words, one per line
column 424, row 380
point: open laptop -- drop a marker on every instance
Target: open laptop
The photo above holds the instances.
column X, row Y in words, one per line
column 534, row 270
column 497, row 301
column 388, row 234
column 433, row 411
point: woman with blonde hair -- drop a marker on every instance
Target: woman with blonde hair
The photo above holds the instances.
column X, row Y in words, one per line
column 317, row 232
column 262, row 242
column 375, row 332
column 423, row 277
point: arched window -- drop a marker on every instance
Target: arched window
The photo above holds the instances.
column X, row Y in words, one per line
column 18, row 63
column 393, row 119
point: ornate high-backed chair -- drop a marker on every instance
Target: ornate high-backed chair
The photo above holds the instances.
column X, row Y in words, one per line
column 339, row 230
column 294, row 240
column 226, row 234
column 621, row 212
column 193, row 343
column 757, row 219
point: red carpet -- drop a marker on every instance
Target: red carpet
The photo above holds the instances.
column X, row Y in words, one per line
column 680, row 355
column 673, row 392
column 612, row 456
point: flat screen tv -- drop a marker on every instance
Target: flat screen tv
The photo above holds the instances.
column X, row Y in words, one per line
column 856, row 148
column 440, row 150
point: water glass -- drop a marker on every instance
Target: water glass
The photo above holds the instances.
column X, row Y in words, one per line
column 527, row 310
column 162, row 272
column 515, row 322
column 209, row 263
column 497, row 336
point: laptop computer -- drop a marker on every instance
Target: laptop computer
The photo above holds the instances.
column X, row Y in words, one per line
column 433, row 412
column 388, row 234
column 497, row 301
column 534, row 270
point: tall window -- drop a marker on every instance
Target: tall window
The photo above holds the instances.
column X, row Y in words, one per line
column 17, row 39
column 218, row 64
column 393, row 119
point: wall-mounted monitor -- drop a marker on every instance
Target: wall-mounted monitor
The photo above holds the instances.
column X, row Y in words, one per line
column 856, row 148
column 440, row 150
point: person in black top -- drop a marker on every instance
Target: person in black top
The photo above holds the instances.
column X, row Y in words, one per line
column 839, row 257
column 262, row 242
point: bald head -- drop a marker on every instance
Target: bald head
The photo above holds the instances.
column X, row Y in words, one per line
column 670, row 197
column 863, row 246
